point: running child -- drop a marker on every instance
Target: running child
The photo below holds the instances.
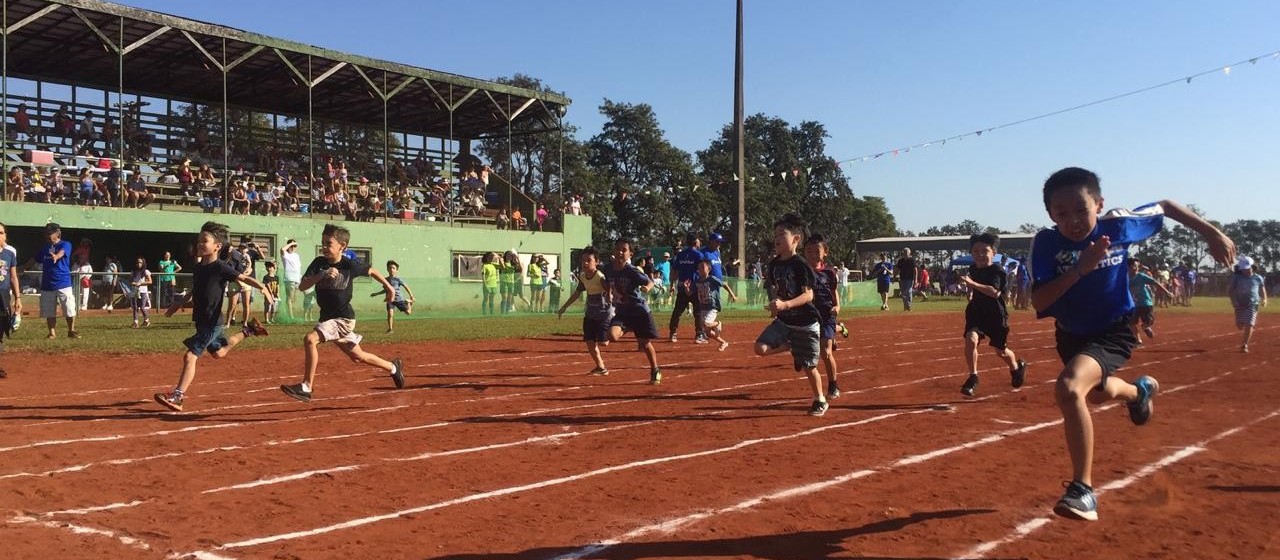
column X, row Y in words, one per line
column 826, row 298
column 1248, row 292
column 707, row 287
column 1142, row 287
column 599, row 311
column 209, row 282
column 629, row 285
column 140, row 281
column 397, row 299
column 1078, row 269
column 789, row 281
column 272, row 283
column 883, row 273
column 333, row 274
column 987, row 316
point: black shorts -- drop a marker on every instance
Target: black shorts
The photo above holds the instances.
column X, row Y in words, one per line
column 636, row 320
column 1111, row 347
column 595, row 330
column 995, row 330
column 826, row 327
column 1145, row 314
column 883, row 286
column 402, row 305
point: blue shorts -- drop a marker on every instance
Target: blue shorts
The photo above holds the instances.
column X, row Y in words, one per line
column 637, row 320
column 595, row 330
column 826, row 327
column 402, row 305
column 803, row 339
column 206, row 338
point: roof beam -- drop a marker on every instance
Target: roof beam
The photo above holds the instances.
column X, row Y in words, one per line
column 33, row 17
column 158, row 32
column 244, row 57
column 105, row 40
column 193, row 40
column 328, row 73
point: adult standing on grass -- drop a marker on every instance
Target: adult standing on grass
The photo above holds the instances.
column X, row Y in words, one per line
column 908, row 273
column 686, row 271
column 167, row 281
column 55, row 282
column 292, row 263
column 10, row 291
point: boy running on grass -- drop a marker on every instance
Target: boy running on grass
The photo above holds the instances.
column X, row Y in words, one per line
column 789, row 281
column 986, row 315
column 628, row 286
column 1078, row 269
column 397, row 301
column 333, row 273
column 826, row 298
column 210, row 278
column 598, row 312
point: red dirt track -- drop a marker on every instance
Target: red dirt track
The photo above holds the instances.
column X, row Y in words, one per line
column 506, row 450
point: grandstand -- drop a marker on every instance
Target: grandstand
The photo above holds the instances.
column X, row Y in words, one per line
column 113, row 97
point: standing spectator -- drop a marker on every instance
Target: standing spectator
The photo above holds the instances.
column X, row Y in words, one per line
column 84, row 133
column 537, row 284
column 292, row 272
column 686, row 270
column 85, row 272
column 908, row 273
column 64, row 124
column 575, row 205
column 517, row 219
column 553, row 286
column 10, row 290
column 109, row 282
column 489, row 288
column 883, row 273
column 541, row 215
column 55, row 282
column 271, row 293
column 167, row 281
column 22, row 124
column 139, row 282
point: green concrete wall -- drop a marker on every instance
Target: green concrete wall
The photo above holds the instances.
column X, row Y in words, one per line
column 424, row 249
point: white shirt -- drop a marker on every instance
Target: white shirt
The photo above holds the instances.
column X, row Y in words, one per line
column 292, row 266
column 575, row 207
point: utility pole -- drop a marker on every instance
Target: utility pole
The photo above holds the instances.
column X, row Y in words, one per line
column 742, row 175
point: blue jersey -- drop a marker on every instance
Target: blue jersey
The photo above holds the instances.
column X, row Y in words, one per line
column 626, row 284
column 1245, row 291
column 824, row 290
column 708, row 290
column 883, row 273
column 687, row 264
column 1102, row 296
column 56, row 275
column 396, row 284
column 717, row 268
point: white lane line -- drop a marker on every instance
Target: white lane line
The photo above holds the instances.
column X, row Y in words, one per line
column 81, row 530
column 279, row 479
column 1030, row 526
column 556, row 481
column 675, row 523
column 83, row 511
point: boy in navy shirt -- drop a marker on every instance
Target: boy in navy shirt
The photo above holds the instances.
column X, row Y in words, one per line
column 629, row 286
column 826, row 298
column 1079, row 279
column 789, row 281
column 708, row 288
column 398, row 300
column 986, row 315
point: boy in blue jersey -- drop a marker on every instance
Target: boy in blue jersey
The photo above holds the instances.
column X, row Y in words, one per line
column 686, row 271
column 987, row 316
column 1079, row 279
column 826, row 298
column 707, row 286
column 1143, row 289
column 789, row 282
column 630, row 306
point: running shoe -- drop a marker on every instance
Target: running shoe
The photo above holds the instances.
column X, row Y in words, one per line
column 599, row 371
column 1018, row 375
column 833, row 390
column 171, row 401
column 397, row 374
column 655, row 376
column 818, row 408
column 1078, row 502
column 1141, row 408
column 1244, row 348
column 700, row 340
column 254, row 328
column 844, row 331
column 970, row 385
column 672, row 338
column 1150, row 333
column 296, row 392
column 723, row 345
column 73, row 334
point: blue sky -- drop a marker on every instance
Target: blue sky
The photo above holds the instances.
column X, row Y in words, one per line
column 880, row 75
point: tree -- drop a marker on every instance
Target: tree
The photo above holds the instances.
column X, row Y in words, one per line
column 1029, row 228
column 1259, row 240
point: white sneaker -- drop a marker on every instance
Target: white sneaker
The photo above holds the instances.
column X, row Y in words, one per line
column 723, row 345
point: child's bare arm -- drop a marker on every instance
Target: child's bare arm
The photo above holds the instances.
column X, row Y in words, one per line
column 1221, row 247
column 572, row 298
column 386, row 286
column 408, row 292
column 251, row 281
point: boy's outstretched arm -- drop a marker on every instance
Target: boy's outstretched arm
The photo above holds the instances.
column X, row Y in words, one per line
column 250, row 280
column 1221, row 247
column 386, row 286
column 570, row 301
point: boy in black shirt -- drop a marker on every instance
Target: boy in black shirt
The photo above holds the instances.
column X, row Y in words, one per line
column 332, row 274
column 210, row 279
column 629, row 287
column 789, row 281
column 986, row 315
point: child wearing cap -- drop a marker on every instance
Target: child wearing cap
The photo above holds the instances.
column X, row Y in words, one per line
column 1248, row 291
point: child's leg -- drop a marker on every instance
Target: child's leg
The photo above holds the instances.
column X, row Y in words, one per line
column 829, row 360
column 1006, row 354
column 188, row 371
column 1248, row 335
column 815, row 383
column 646, row 346
column 1133, row 326
column 358, row 355
column 232, row 340
column 971, row 351
column 311, row 349
column 593, row 349
column 135, row 306
column 391, row 318
column 1075, row 391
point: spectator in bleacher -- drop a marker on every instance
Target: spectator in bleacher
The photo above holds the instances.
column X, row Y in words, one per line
column 292, row 197
column 239, row 198
column 518, row 220
column 267, row 203
column 15, row 185
column 541, row 216
column 575, row 205
column 137, row 195
column 58, row 191
column 501, row 220
column 113, row 183
column 110, row 136
column 187, row 181
column 39, row 191
column 206, row 178
column 84, row 133
column 102, row 191
column 22, row 124
column 88, row 188
column 64, row 125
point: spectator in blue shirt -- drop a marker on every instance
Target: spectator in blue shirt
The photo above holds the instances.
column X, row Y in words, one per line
column 686, row 272
column 1080, row 280
column 55, row 282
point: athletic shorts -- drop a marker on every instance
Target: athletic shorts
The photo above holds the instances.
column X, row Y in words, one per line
column 826, row 327
column 338, row 330
column 709, row 316
column 1111, row 347
column 803, row 339
column 637, row 320
column 596, row 330
column 1246, row 316
column 996, row 331
column 402, row 305
column 1145, row 314
column 210, row 338
column 883, row 286
column 51, row 300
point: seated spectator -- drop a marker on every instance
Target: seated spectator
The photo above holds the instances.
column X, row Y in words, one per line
column 267, row 203
column 292, row 197
column 517, row 219
column 137, row 195
column 112, row 183
column 501, row 220
column 37, row 190
column 15, row 185
column 206, row 178
column 104, row 194
column 239, row 198
column 88, row 188
column 58, row 192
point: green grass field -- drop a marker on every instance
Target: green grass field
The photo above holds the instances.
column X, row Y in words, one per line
column 112, row 334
